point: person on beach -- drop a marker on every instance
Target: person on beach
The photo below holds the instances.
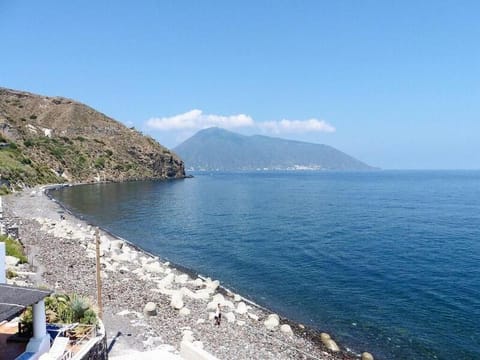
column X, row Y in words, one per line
column 218, row 315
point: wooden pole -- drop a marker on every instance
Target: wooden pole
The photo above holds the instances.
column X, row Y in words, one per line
column 99, row 280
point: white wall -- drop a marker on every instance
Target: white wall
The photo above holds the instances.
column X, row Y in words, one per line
column 3, row 273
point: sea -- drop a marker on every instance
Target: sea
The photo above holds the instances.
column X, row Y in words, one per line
column 385, row 261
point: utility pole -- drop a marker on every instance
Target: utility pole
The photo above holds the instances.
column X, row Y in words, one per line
column 99, row 280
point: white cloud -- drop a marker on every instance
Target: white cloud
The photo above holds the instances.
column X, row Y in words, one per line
column 296, row 126
column 194, row 120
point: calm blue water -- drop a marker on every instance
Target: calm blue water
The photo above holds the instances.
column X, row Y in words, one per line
column 387, row 261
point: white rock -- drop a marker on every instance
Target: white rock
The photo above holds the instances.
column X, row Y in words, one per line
column 230, row 316
column 123, row 313
column 188, row 336
column 166, row 281
column 367, row 356
column 198, row 344
column 218, row 298
column 203, row 294
column 184, row 311
column 240, row 322
column 286, row 329
column 272, row 322
column 181, row 279
column 324, row 337
column 150, row 309
column 237, row 298
column 253, row 316
column 212, row 305
column 241, row 308
column 177, row 300
column 331, row 345
column 211, row 315
column 200, row 321
column 229, row 304
column 154, row 267
column 212, row 285
column 116, row 244
column 197, row 282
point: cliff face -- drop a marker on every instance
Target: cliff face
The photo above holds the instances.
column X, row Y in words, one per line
column 54, row 139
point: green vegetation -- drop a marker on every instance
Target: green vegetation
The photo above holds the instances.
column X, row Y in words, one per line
column 63, row 309
column 19, row 169
column 11, row 274
column 13, row 248
column 4, row 190
column 100, row 162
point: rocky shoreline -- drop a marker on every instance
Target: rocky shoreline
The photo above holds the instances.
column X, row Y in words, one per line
column 148, row 303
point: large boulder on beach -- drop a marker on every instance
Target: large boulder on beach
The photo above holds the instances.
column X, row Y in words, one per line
column 153, row 267
column 228, row 304
column 198, row 283
column 230, row 316
column 367, row 356
column 116, row 244
column 188, row 336
column 181, row 279
column 329, row 343
column 166, row 281
column 272, row 322
column 218, row 298
column 202, row 294
column 212, row 286
column 177, row 300
column 212, row 305
column 286, row 329
column 324, row 337
column 150, row 309
column 241, row 308
column 184, row 311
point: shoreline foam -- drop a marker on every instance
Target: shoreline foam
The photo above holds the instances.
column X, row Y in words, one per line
column 146, row 332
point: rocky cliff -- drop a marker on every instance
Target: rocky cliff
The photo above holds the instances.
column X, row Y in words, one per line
column 53, row 139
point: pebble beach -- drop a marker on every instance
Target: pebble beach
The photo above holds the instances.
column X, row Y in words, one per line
column 148, row 303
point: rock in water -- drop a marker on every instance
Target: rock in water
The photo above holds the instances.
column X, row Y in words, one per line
column 150, row 309
column 367, row 356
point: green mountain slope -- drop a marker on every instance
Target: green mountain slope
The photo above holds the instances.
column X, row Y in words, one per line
column 53, row 139
column 218, row 149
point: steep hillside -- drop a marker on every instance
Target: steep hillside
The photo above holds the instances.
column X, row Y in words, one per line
column 218, row 149
column 53, row 139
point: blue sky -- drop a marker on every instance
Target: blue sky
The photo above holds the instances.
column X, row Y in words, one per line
column 393, row 83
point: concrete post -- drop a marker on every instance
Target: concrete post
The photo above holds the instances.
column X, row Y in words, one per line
column 39, row 320
column 40, row 343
